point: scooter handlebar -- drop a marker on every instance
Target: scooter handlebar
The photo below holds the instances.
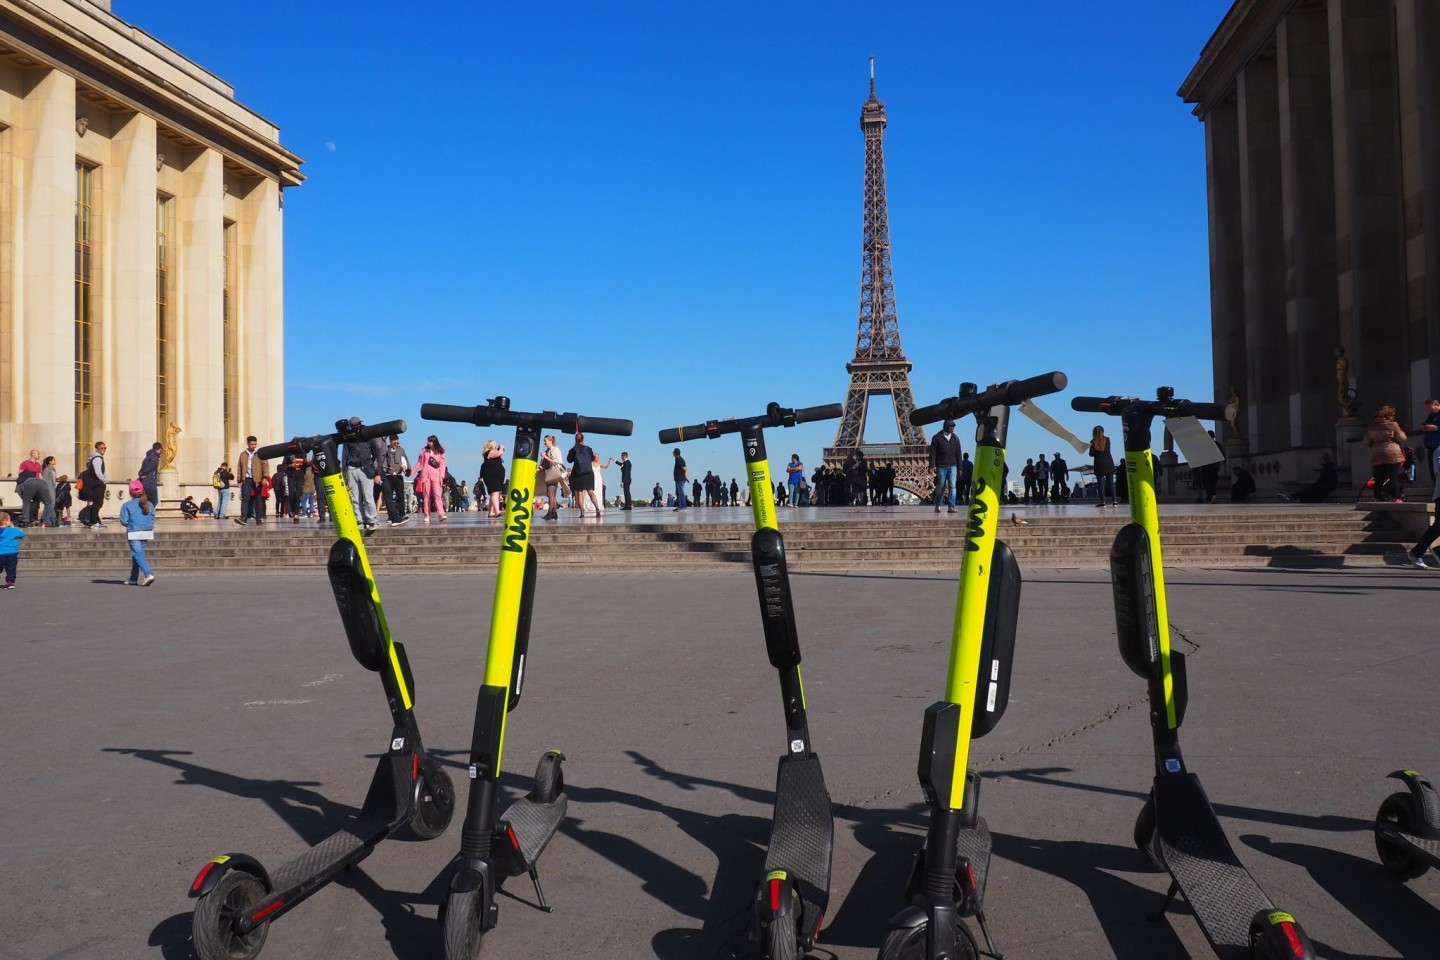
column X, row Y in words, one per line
column 359, row 434
column 774, row 416
column 826, row 411
column 1109, row 405
column 1115, row 406
column 491, row 415
column 1007, row 394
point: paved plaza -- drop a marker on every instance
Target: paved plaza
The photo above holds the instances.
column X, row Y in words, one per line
column 147, row 730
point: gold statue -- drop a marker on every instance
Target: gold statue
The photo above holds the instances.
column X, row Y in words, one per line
column 1347, row 398
column 1232, row 413
column 172, row 445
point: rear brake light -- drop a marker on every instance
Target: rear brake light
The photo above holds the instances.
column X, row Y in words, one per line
column 1295, row 946
column 200, row 878
column 775, row 896
column 514, row 840
column 261, row 915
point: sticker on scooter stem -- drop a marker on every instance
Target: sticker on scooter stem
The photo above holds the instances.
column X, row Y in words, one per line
column 1172, row 766
column 398, row 743
column 797, row 746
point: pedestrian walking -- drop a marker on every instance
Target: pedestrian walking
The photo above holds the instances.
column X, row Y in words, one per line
column 1104, row 460
column 1428, row 538
column 10, row 537
column 137, row 516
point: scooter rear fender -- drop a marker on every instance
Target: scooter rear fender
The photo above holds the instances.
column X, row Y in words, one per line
column 211, row 873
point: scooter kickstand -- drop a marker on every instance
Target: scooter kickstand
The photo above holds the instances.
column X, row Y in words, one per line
column 1159, row 915
column 539, row 894
column 990, row 950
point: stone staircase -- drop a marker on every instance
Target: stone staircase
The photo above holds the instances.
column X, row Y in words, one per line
column 909, row 540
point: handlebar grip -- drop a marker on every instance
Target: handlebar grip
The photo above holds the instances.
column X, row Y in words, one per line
column 448, row 412
column 1038, row 386
column 606, row 425
column 372, row 430
column 681, row 434
column 1202, row 411
column 1092, row 405
column 272, row 450
column 826, row 411
column 935, row 412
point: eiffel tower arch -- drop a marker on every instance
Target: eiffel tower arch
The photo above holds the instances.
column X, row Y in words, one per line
column 880, row 367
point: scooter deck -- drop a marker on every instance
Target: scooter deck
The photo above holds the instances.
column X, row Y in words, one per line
column 974, row 845
column 803, row 835
column 332, row 853
column 1422, row 845
column 1198, row 855
column 534, row 824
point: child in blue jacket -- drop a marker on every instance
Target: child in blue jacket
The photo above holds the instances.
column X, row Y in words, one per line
column 10, row 537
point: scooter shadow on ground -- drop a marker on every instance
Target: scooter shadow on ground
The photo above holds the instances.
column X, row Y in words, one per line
column 410, row 935
column 1325, row 824
column 1122, row 907
column 1378, row 901
column 312, row 816
column 861, row 919
column 724, row 906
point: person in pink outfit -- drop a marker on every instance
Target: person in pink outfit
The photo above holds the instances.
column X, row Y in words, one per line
column 430, row 479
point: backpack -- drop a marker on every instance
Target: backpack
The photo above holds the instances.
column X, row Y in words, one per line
column 215, row 480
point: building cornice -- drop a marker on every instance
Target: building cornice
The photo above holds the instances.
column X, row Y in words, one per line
column 1246, row 30
column 139, row 73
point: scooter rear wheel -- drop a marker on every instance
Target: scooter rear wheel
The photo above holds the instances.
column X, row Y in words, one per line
column 1398, row 810
column 434, row 802
column 781, row 941
column 464, row 935
column 213, row 926
column 909, row 943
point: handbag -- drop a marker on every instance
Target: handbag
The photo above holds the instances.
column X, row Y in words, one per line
column 553, row 474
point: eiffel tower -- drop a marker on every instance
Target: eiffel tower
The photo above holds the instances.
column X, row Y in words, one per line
column 879, row 367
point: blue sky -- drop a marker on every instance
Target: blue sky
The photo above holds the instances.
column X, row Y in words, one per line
column 652, row 210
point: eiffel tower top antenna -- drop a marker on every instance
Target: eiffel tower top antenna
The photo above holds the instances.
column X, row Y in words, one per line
column 880, row 366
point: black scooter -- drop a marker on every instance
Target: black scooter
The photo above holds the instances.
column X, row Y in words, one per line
column 494, row 847
column 1407, row 827
column 1177, row 827
column 238, row 897
column 795, row 890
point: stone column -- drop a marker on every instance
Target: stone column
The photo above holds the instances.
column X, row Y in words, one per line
column 44, row 264
column 261, row 281
column 198, row 260
column 1368, row 200
column 1417, row 29
column 1308, row 198
column 1227, row 268
column 128, row 304
column 1266, row 394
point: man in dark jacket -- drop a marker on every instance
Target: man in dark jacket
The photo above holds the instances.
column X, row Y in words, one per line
column 149, row 475
column 945, row 461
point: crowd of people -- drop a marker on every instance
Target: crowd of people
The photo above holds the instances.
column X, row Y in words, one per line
column 379, row 474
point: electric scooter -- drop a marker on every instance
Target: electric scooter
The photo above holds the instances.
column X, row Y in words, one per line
column 794, row 891
column 496, row 847
column 947, row 880
column 1407, row 827
column 239, row 898
column 1177, row 827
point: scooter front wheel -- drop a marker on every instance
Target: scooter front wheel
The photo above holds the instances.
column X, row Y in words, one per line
column 1147, row 839
column 434, row 802
column 1398, row 811
column 909, row 943
column 213, row 927
column 464, row 934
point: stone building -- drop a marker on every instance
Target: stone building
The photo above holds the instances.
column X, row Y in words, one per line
column 1322, row 145
column 140, row 248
